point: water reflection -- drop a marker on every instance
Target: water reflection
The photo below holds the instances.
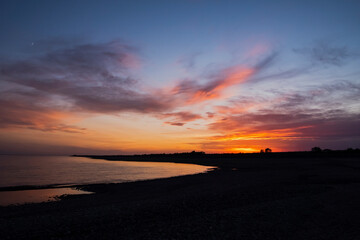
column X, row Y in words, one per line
column 36, row 196
column 65, row 171
column 50, row 170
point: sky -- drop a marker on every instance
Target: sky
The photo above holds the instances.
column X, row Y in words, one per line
column 131, row 77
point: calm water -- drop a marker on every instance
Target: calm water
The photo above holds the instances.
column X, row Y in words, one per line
column 46, row 170
column 65, row 170
column 36, row 195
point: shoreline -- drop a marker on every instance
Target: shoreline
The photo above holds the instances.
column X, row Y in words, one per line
column 289, row 199
column 80, row 185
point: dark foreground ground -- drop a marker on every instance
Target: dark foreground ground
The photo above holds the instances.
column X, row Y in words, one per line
column 263, row 198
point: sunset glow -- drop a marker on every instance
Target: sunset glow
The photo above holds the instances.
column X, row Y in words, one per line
column 207, row 83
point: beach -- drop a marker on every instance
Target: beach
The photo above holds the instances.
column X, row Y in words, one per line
column 260, row 198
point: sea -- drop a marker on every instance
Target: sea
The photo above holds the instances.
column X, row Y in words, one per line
column 64, row 171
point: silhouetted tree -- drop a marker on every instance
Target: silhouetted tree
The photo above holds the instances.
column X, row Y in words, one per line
column 196, row 153
column 316, row 149
column 268, row 150
column 262, row 151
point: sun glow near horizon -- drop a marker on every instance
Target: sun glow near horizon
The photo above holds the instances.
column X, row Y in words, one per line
column 215, row 82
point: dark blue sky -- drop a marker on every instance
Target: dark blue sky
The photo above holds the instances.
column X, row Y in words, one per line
column 170, row 25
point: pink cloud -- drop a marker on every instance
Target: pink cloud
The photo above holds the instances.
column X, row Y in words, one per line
column 191, row 92
column 92, row 78
column 179, row 118
column 22, row 114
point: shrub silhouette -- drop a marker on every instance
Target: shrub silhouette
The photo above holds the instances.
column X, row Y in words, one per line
column 268, row 150
column 316, row 149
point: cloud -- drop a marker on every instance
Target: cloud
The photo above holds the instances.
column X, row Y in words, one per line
column 179, row 118
column 179, row 124
column 322, row 52
column 95, row 78
column 22, row 113
column 91, row 77
column 240, row 104
column 291, row 109
column 47, row 92
column 325, row 113
column 192, row 92
column 98, row 78
column 337, row 95
column 210, row 114
column 188, row 61
column 286, row 74
column 285, row 131
column 182, row 116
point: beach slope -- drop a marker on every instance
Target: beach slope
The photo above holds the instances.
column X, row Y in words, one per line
column 265, row 198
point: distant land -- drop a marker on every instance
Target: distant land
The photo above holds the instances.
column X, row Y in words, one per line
column 227, row 160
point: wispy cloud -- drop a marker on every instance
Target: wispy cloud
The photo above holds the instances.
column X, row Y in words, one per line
column 47, row 92
column 322, row 113
column 99, row 79
column 32, row 112
column 194, row 92
column 188, row 61
column 179, row 118
column 324, row 53
column 93, row 78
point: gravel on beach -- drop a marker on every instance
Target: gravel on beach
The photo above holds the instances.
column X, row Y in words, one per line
column 261, row 199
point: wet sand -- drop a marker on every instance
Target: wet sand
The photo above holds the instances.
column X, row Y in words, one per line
column 300, row 198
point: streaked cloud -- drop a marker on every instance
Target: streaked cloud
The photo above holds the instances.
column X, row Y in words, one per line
column 179, row 118
column 188, row 61
column 93, row 78
column 325, row 53
column 54, row 91
column 193, row 92
column 325, row 113
column 32, row 112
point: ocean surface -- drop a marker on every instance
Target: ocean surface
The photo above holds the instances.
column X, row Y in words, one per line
column 66, row 170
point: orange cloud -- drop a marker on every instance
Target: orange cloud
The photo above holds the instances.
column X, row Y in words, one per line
column 284, row 134
column 233, row 77
column 27, row 115
column 179, row 118
column 191, row 91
